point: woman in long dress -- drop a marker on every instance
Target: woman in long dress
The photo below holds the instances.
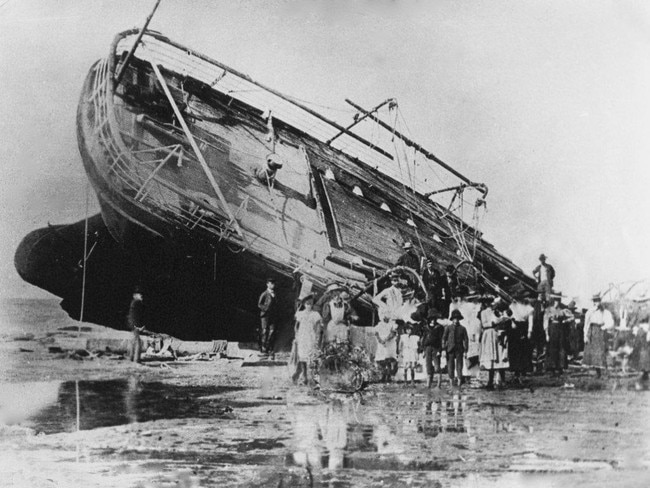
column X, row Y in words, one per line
column 307, row 336
column 337, row 329
column 640, row 356
column 598, row 321
column 494, row 352
column 408, row 344
column 389, row 302
column 557, row 323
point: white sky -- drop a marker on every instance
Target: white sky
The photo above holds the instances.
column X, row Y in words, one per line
column 547, row 102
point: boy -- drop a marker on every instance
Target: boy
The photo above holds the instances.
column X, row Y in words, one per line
column 455, row 341
column 431, row 345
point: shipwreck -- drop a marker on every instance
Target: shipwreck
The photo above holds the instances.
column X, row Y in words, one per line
column 209, row 182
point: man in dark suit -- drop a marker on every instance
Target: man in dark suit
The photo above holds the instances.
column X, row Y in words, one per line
column 455, row 341
column 267, row 304
column 545, row 274
column 134, row 321
column 410, row 259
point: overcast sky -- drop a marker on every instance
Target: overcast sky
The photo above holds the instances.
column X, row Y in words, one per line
column 546, row 102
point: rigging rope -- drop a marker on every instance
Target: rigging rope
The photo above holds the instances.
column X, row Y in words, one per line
column 85, row 260
column 399, row 164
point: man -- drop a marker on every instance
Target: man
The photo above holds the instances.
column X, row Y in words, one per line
column 267, row 304
column 134, row 320
column 545, row 274
column 455, row 341
column 449, row 287
column 432, row 283
column 409, row 259
column 597, row 321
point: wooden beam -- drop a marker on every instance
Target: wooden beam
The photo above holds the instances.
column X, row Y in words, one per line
column 197, row 151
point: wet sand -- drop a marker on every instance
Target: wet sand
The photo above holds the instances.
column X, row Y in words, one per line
column 108, row 422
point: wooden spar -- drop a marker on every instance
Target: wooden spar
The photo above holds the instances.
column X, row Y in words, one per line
column 479, row 186
column 119, row 75
column 389, row 100
column 443, row 190
column 270, row 90
column 196, row 149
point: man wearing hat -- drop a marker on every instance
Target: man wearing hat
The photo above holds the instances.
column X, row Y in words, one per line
column 267, row 304
column 409, row 259
column 545, row 274
column 597, row 321
column 134, row 321
column 455, row 341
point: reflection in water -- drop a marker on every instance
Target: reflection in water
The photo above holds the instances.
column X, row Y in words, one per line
column 124, row 401
column 342, row 433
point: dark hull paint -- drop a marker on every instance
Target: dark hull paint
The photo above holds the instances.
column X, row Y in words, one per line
column 190, row 292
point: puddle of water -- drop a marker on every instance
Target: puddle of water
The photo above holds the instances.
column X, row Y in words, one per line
column 125, row 401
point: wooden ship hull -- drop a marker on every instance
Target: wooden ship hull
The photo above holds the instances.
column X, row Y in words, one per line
column 177, row 148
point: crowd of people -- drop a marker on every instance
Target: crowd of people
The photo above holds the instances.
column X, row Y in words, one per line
column 477, row 336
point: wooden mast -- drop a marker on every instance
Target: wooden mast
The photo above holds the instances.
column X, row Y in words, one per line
column 120, row 74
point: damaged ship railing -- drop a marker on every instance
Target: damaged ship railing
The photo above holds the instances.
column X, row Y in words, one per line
column 239, row 87
column 125, row 166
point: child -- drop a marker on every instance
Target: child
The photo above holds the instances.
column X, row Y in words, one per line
column 307, row 336
column 455, row 341
column 386, row 335
column 431, row 345
column 408, row 344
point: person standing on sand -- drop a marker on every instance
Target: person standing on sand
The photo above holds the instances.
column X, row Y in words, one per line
column 494, row 352
column 455, row 341
column 408, row 345
column 134, row 320
column 307, row 336
column 431, row 345
column 519, row 334
column 597, row 321
column 267, row 304
column 557, row 323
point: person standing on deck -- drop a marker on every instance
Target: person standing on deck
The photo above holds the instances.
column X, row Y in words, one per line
column 268, row 306
column 545, row 274
column 597, row 321
column 432, row 283
column 557, row 325
column 449, row 287
column 410, row 259
column 134, row 321
column 455, row 341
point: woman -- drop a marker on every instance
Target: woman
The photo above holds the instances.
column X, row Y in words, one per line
column 597, row 322
column 494, row 352
column 337, row 329
column 557, row 322
column 307, row 336
column 640, row 356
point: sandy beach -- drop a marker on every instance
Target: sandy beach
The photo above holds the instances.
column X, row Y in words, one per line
column 103, row 421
